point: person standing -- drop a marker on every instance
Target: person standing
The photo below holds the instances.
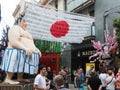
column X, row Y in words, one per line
column 79, row 79
column 59, row 82
column 49, row 73
column 40, row 79
column 102, row 77
column 64, row 73
column 110, row 81
column 117, row 83
column 67, row 77
column 50, row 76
column 94, row 83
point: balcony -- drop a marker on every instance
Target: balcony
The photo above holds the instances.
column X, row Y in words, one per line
column 74, row 5
column 90, row 35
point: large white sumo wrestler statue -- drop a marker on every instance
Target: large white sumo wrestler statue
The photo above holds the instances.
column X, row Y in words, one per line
column 21, row 55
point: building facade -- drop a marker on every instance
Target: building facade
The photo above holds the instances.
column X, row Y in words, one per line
column 104, row 12
column 55, row 4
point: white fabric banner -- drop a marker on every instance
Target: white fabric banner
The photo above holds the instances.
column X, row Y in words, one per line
column 52, row 25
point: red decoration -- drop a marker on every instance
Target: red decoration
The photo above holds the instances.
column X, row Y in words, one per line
column 51, row 60
column 59, row 28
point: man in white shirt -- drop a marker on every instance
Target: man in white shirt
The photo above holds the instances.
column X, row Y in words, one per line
column 40, row 79
column 103, row 75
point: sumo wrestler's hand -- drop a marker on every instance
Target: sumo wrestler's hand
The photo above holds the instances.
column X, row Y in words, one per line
column 28, row 51
column 40, row 55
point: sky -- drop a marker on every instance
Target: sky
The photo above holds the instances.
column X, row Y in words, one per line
column 7, row 9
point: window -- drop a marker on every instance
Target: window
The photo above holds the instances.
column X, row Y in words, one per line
column 91, row 13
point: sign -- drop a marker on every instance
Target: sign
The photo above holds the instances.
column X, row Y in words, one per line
column 53, row 25
column 88, row 66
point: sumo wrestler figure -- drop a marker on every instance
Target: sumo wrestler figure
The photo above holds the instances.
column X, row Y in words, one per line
column 21, row 55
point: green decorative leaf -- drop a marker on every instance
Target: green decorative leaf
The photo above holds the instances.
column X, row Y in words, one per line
column 48, row 46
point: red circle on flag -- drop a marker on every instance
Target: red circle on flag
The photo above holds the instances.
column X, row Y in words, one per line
column 59, row 28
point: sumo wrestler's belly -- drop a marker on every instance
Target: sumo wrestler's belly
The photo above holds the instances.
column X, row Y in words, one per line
column 28, row 43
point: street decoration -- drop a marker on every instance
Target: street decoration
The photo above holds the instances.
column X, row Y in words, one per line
column 21, row 55
column 88, row 66
column 109, row 47
column 53, row 25
column 59, row 29
column 48, row 46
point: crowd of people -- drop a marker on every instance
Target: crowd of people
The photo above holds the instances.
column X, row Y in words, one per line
column 47, row 80
column 105, row 80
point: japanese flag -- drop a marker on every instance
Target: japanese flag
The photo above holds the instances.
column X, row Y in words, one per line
column 53, row 25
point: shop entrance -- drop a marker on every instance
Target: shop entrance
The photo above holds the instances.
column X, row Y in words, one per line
column 80, row 61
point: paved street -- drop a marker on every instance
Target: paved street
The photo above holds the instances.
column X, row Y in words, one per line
column 72, row 87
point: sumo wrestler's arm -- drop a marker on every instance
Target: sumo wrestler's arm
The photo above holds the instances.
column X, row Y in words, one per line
column 14, row 41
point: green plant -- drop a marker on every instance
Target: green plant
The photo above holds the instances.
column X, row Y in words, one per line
column 116, row 24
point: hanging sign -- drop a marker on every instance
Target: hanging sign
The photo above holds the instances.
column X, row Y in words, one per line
column 53, row 25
